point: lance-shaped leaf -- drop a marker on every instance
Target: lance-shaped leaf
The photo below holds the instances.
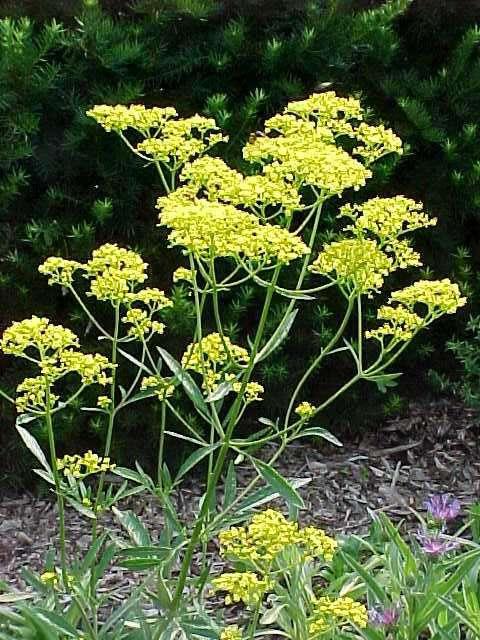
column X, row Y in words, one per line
column 33, row 446
column 191, row 389
column 279, row 484
column 278, row 336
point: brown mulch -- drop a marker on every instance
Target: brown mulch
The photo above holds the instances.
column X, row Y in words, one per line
column 435, row 448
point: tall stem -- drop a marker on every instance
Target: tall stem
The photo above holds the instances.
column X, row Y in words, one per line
column 56, row 477
column 111, row 414
column 219, row 464
column 318, row 360
column 161, row 442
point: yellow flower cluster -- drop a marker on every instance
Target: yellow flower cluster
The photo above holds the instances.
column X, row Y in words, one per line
column 376, row 141
column 80, row 466
column 216, row 229
column 439, row 296
column 305, row 410
column 49, row 578
column 104, row 402
column 180, row 140
column 214, row 179
column 401, row 324
column 301, row 144
column 60, row 270
column 114, row 272
column 387, row 218
column 330, row 614
column 308, row 162
column 253, row 390
column 168, row 139
column 232, row 632
column 162, row 386
column 38, row 334
column 136, row 116
column 152, row 297
column 268, row 534
column 182, row 273
column 91, row 367
column 244, row 587
column 53, row 349
column 211, row 356
column 357, row 264
column 327, row 109
column 32, row 395
column 142, row 323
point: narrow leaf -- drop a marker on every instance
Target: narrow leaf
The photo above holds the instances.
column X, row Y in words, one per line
column 279, row 484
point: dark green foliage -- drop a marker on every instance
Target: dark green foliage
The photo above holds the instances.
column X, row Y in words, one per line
column 67, row 186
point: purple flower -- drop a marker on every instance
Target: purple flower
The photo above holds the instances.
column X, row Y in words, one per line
column 442, row 507
column 436, row 544
column 386, row 617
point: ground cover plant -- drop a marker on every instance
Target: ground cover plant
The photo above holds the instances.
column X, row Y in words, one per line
column 233, row 228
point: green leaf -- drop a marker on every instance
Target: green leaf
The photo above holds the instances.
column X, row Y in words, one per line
column 367, row 577
column 46, row 475
column 384, row 381
column 33, row 446
column 279, row 484
column 278, row 336
column 263, row 496
column 133, row 526
column 191, row 389
column 194, row 458
column 140, row 558
column 81, row 508
column 318, row 432
column 53, row 620
column 220, row 392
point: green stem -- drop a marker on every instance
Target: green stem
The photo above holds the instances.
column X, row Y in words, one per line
column 219, row 464
column 6, row 396
column 319, row 358
column 111, row 415
column 161, row 442
column 56, row 477
column 162, row 177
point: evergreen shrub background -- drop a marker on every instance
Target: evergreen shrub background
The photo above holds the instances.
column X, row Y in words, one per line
column 66, row 186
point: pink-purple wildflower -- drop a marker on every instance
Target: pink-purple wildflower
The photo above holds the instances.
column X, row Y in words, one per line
column 436, row 544
column 386, row 617
column 443, row 507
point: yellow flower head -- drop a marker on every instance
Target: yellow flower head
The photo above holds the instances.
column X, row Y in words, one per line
column 219, row 230
column 80, row 466
column 268, row 534
column 401, row 324
column 244, row 587
column 136, row 116
column 182, row 273
column 232, row 632
column 49, row 578
column 214, row 179
column 32, row 395
column 305, row 410
column 356, row 263
column 387, row 218
column 375, row 142
column 439, row 296
column 38, row 334
column 59, row 270
column 141, row 323
column 162, row 387
column 330, row 614
column 114, row 272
